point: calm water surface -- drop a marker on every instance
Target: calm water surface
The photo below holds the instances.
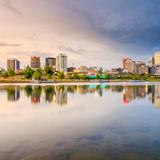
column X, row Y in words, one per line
column 80, row 122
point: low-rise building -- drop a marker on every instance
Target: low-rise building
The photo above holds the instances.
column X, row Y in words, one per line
column 141, row 68
column 71, row 69
column 81, row 70
column 93, row 71
column 151, row 70
column 116, row 71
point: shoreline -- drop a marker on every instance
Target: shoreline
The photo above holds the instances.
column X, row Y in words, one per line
column 71, row 81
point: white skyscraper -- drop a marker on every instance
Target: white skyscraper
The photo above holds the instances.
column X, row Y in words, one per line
column 61, row 63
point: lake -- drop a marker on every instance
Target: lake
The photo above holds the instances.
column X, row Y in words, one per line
column 114, row 121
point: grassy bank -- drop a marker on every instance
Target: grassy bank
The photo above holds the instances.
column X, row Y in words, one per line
column 22, row 79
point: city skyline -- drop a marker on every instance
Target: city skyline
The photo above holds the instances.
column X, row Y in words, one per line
column 60, row 63
column 83, row 30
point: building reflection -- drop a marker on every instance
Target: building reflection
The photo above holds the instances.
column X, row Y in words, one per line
column 36, row 94
column 50, row 93
column 59, row 94
column 154, row 96
column 128, row 94
column 13, row 93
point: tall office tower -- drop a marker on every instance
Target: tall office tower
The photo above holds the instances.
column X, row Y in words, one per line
column 129, row 65
column 51, row 62
column 13, row 64
column 35, row 62
column 156, row 59
column 61, row 63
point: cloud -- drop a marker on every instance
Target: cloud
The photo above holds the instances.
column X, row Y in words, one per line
column 128, row 23
column 3, row 44
column 102, row 31
column 130, row 27
column 79, row 51
column 7, row 4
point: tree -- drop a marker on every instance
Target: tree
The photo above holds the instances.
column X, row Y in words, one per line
column 83, row 77
column 11, row 73
column 1, row 72
column 76, row 76
column 28, row 73
column 60, row 75
column 38, row 74
column 98, row 76
column 100, row 70
column 28, row 90
column 48, row 72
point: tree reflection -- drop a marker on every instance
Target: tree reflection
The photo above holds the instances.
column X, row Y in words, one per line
column 59, row 94
column 49, row 93
column 28, row 90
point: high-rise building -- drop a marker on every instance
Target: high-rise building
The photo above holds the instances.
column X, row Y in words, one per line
column 156, row 59
column 35, row 62
column 13, row 64
column 129, row 65
column 51, row 62
column 141, row 68
column 157, row 69
column 61, row 63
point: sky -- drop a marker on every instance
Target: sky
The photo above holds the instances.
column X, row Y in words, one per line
column 89, row 32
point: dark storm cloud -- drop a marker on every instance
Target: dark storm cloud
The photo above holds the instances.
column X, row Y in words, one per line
column 123, row 21
column 133, row 22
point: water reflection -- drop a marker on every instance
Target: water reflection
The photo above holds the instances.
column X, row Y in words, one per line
column 79, row 122
column 58, row 93
column 13, row 93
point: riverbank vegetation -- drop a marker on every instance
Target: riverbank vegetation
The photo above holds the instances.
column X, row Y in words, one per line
column 47, row 74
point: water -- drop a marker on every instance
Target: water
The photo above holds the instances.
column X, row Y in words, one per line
column 116, row 121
